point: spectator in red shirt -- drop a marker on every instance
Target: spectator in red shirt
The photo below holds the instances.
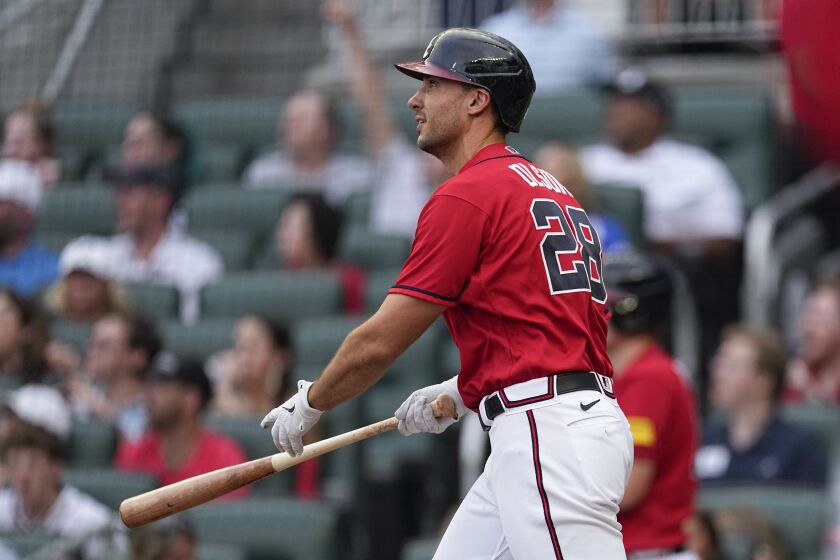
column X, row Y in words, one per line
column 177, row 445
column 659, row 406
column 307, row 236
column 814, row 375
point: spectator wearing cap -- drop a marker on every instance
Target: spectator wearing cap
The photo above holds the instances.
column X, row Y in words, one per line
column 86, row 290
column 566, row 49
column 171, row 538
column 690, row 197
column 147, row 249
column 111, row 383
column 177, row 444
column 753, row 443
column 25, row 266
column 35, row 500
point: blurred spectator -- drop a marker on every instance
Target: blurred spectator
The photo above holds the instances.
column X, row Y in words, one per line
column 566, row 50
column 254, row 375
column 814, row 375
column 147, row 249
column 749, row 524
column 29, row 135
column 154, row 139
column 753, row 443
column 404, row 176
column 25, row 266
column 702, row 536
column 172, row 538
column 691, row 200
column 86, row 291
column 659, row 406
column 36, row 501
column 812, row 55
column 306, row 159
column 111, row 385
column 24, row 337
column 178, row 445
column 562, row 162
column 307, row 236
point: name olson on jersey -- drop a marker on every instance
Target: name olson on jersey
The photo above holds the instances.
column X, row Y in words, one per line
column 536, row 177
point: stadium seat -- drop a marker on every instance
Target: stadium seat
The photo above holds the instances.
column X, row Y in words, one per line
column 271, row 528
column 199, row 340
column 218, row 162
column 376, row 287
column 216, row 551
column 573, row 118
column 82, row 210
column 91, row 126
column 821, row 421
column 92, row 444
column 420, row 549
column 372, row 251
column 357, row 208
column 27, row 545
column 256, row 443
column 55, row 240
column 316, row 340
column 800, row 514
column 247, row 123
column 235, row 247
column 254, row 211
column 280, row 295
column 153, row 300
column 109, row 486
column 73, row 333
column 626, row 203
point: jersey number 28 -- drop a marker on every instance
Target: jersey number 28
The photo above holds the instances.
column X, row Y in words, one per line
column 579, row 239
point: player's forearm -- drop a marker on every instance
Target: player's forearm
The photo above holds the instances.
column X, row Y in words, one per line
column 359, row 363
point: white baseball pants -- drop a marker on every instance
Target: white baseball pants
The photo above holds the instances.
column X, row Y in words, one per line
column 551, row 486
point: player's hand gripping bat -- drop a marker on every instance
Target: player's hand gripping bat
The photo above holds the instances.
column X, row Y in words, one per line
column 167, row 500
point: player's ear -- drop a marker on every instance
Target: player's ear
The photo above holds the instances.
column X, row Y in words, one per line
column 479, row 100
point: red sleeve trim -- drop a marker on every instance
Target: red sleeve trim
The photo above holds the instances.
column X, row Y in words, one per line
column 425, row 295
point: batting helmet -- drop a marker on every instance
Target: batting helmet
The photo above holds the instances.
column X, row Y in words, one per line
column 484, row 60
column 639, row 292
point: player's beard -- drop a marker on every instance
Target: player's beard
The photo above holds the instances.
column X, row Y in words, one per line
column 438, row 134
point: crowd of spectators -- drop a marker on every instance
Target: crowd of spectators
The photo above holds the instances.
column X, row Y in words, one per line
column 157, row 401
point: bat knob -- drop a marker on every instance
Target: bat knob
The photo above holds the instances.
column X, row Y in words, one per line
column 444, row 407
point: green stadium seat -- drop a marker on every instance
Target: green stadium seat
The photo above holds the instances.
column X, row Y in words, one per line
column 92, row 444
column 72, row 160
column 234, row 246
column 420, row 549
column 199, row 340
column 27, row 545
column 280, row 295
column 247, row 123
column 218, row 162
column 109, row 486
column 801, row 514
column 73, row 333
column 822, row 421
column 569, row 117
column 153, row 300
column 372, row 251
column 211, row 551
column 55, row 240
column 357, row 208
column 81, row 210
column 626, row 203
column 255, row 211
column 257, row 443
column 92, row 126
column 316, row 340
column 272, row 528
column 376, row 287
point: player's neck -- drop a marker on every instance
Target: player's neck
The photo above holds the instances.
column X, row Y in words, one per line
column 471, row 143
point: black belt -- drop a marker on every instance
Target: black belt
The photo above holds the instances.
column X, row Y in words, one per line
column 567, row 382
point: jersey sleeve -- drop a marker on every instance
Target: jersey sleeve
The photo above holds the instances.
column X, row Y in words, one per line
column 643, row 402
column 450, row 234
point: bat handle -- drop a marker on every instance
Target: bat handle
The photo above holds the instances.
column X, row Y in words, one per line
column 444, row 407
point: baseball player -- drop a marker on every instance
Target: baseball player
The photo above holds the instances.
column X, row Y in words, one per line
column 659, row 405
column 508, row 257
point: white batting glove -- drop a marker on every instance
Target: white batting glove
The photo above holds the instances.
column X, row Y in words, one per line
column 415, row 413
column 291, row 420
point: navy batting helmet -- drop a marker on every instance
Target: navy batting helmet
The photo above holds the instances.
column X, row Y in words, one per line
column 484, row 60
column 639, row 292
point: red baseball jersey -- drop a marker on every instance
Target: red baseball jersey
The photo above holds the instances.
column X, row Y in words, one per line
column 660, row 408
column 513, row 256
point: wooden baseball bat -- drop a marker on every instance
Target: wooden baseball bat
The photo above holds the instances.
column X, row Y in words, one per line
column 185, row 494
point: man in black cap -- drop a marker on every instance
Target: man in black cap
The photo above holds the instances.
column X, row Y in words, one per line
column 177, row 445
column 691, row 200
column 148, row 248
